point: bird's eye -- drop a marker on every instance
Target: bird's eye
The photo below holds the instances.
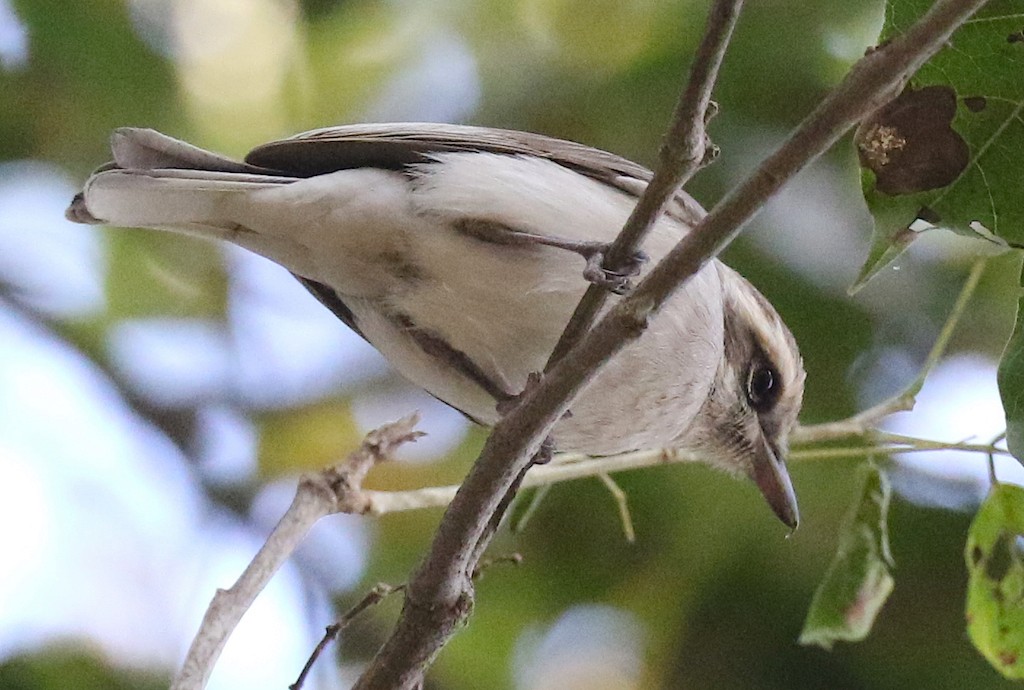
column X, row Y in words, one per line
column 762, row 387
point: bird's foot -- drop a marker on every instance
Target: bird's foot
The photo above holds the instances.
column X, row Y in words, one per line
column 544, row 453
column 615, row 279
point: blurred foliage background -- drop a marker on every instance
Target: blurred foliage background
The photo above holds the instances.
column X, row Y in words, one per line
column 159, row 396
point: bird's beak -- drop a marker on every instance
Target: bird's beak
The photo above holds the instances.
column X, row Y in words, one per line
column 769, row 473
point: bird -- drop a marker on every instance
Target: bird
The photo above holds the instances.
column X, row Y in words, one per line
column 460, row 252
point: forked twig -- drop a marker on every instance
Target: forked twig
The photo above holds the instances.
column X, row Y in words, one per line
column 336, row 489
column 379, row 593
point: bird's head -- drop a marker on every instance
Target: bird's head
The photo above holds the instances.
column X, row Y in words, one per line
column 755, row 397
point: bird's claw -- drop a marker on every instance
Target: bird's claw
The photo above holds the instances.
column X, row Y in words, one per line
column 507, row 404
column 615, row 279
column 544, row 453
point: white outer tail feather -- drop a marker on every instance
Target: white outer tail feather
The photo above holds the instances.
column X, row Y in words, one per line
column 194, row 201
column 157, row 181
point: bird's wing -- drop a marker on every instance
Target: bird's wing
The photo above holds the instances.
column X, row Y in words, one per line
column 397, row 145
column 328, row 297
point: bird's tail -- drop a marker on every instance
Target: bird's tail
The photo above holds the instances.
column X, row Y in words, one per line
column 156, row 181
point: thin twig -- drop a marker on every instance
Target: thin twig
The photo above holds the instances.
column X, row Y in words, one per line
column 857, row 425
column 487, row 563
column 942, row 342
column 864, row 421
column 992, row 478
column 564, row 468
column 520, row 522
column 583, row 467
column 812, row 454
column 685, row 148
column 440, row 593
column 882, row 436
column 336, row 489
column 622, row 503
column 379, row 593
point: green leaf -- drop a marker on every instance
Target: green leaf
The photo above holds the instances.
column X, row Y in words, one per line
column 1011, row 381
column 946, row 150
column 995, row 586
column 858, row 581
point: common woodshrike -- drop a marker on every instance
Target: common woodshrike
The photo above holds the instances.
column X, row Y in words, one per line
column 459, row 253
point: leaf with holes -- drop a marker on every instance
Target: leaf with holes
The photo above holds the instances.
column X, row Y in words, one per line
column 995, row 586
column 946, row 152
column 859, row 580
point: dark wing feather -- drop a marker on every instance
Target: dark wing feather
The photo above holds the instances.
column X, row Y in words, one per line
column 330, row 299
column 396, row 145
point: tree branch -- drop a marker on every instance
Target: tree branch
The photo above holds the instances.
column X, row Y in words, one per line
column 684, row 149
column 562, row 469
column 440, row 593
column 336, row 489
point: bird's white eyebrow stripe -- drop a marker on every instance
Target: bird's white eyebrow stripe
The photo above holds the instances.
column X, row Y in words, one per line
column 773, row 339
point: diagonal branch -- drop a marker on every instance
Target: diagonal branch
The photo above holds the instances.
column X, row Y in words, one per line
column 379, row 593
column 440, row 593
column 684, row 150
